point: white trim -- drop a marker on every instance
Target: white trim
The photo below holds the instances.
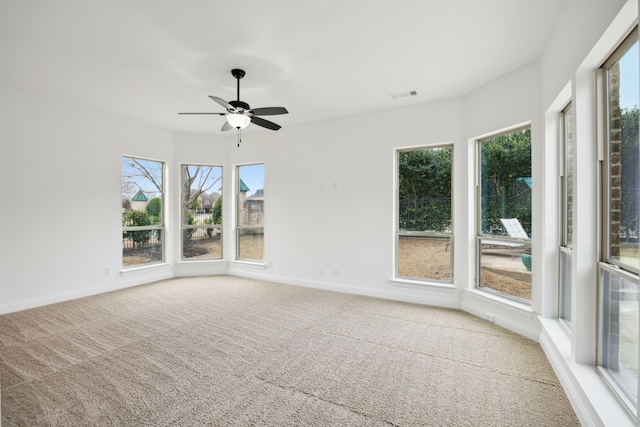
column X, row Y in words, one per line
column 142, row 279
column 440, row 298
column 509, row 314
column 420, row 284
column 590, row 397
column 251, row 264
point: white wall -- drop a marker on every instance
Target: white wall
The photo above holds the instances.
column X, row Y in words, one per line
column 61, row 213
column 578, row 29
column 329, row 196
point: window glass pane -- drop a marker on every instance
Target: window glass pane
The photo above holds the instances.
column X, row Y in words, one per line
column 620, row 311
column 504, row 194
column 624, row 170
column 424, row 229
column 142, row 211
column 565, row 287
column 568, row 177
column 201, row 212
column 567, row 216
column 505, row 266
column 250, row 213
column 505, row 181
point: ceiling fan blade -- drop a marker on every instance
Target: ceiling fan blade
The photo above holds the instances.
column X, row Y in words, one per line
column 218, row 114
column 269, row 111
column 226, row 126
column 224, row 103
column 265, row 123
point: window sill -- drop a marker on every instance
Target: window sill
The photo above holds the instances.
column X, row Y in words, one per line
column 593, row 399
column 142, row 268
column 513, row 306
column 200, row 261
column 252, row 264
column 421, row 284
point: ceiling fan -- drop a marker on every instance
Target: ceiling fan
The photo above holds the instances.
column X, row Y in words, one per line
column 239, row 114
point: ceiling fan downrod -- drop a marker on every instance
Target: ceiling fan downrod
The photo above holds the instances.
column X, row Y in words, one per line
column 238, row 74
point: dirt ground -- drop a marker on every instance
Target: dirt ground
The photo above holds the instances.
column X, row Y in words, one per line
column 419, row 258
column 251, row 248
column 423, row 258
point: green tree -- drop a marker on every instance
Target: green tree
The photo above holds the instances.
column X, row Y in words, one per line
column 197, row 180
column 424, row 189
column 505, row 161
column 216, row 211
column 137, row 219
column 154, row 209
column 629, row 179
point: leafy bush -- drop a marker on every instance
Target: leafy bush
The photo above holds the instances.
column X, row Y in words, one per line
column 137, row 219
column 425, row 214
column 190, row 221
column 154, row 209
column 216, row 211
column 506, row 170
column 425, row 189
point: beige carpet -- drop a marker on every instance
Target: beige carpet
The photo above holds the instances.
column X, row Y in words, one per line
column 230, row 351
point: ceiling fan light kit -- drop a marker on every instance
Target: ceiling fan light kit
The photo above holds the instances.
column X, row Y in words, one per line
column 238, row 121
column 239, row 114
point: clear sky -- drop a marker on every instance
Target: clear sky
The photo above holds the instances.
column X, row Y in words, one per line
column 253, row 177
column 629, row 93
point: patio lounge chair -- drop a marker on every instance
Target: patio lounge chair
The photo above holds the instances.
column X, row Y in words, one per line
column 514, row 229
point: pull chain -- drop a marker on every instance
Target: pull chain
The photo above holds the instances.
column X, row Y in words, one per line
column 239, row 137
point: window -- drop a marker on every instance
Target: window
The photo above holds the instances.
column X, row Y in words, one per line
column 504, row 218
column 250, row 213
column 566, row 214
column 142, row 211
column 201, row 212
column 423, row 229
column 619, row 267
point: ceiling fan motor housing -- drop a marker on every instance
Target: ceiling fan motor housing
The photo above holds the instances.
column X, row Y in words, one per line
column 240, row 105
column 237, row 73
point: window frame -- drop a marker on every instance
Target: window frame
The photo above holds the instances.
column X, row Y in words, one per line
column 617, row 54
column 428, row 234
column 237, row 226
column 608, row 265
column 161, row 228
column 486, row 239
column 184, row 224
column 566, row 193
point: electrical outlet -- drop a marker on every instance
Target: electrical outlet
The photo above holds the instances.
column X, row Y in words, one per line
column 107, row 271
column 336, row 271
column 321, row 269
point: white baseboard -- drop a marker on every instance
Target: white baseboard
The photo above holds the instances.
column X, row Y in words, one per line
column 440, row 298
column 129, row 279
column 513, row 316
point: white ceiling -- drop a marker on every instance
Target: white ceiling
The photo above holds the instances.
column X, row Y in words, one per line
column 147, row 60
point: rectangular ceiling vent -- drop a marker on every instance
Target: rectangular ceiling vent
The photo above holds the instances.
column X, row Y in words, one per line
column 401, row 95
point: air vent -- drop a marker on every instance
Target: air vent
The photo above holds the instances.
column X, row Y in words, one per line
column 401, row 95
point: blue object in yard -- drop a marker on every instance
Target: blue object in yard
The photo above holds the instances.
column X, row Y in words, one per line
column 526, row 260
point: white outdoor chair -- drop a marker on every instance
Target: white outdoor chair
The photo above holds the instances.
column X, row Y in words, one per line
column 514, row 228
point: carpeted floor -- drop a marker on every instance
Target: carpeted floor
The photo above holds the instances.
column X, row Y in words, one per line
column 231, row 351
